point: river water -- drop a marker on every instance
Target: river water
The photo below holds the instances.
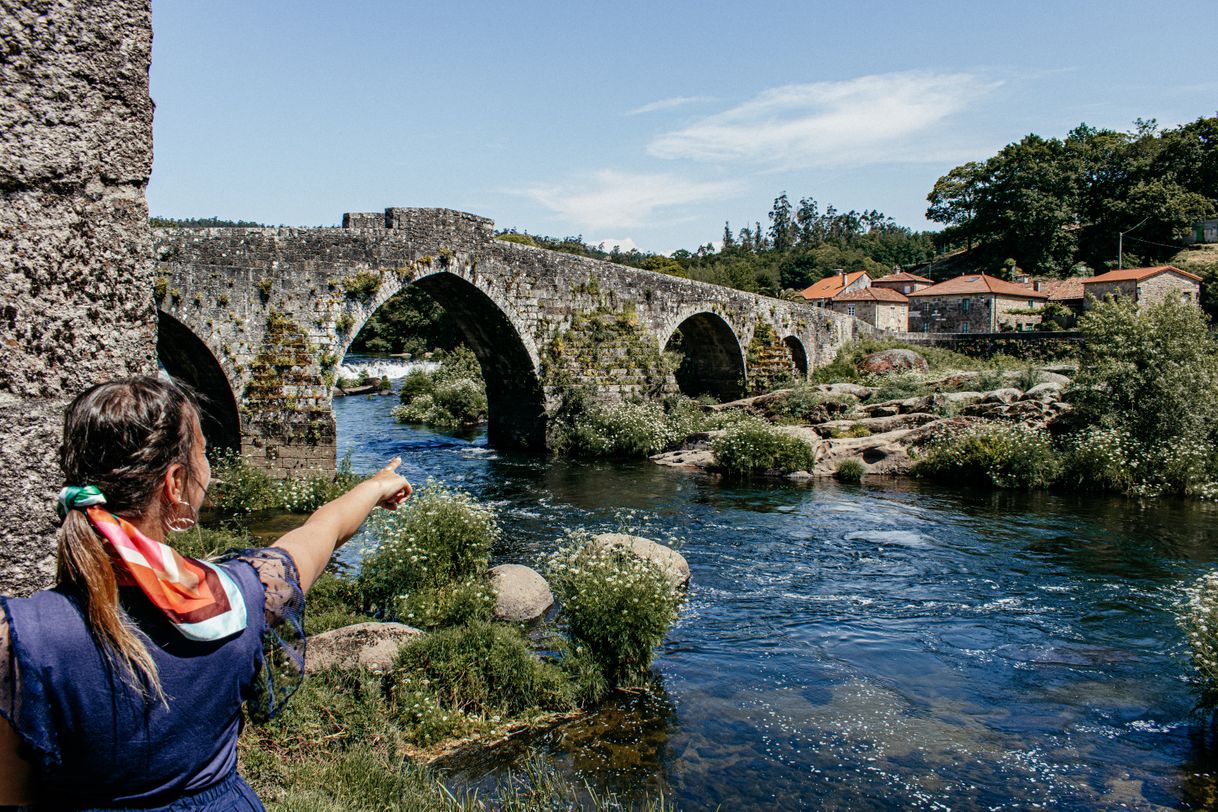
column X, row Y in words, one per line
column 890, row 646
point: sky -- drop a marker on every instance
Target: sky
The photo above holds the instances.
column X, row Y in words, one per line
column 644, row 124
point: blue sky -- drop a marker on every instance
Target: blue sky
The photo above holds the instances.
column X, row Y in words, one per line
column 645, row 123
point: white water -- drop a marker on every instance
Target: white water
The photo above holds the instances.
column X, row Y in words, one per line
column 391, row 368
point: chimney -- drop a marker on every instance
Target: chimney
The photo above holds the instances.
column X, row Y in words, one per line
column 843, row 279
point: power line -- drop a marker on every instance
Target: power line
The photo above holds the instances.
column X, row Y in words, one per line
column 1152, row 242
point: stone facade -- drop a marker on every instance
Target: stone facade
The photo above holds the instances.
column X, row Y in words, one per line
column 1148, row 290
column 277, row 308
column 987, row 313
column 75, row 256
column 889, row 316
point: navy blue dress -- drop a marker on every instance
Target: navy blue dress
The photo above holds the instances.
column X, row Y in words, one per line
column 96, row 742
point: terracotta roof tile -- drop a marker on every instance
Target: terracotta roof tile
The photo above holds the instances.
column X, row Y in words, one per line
column 1139, row 274
column 1061, row 290
column 902, row 276
column 830, row 286
column 979, row 283
column 872, row 294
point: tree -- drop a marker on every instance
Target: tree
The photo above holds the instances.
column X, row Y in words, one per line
column 953, row 200
column 729, row 241
column 782, row 227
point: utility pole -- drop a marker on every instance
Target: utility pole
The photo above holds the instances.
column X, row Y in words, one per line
column 1121, row 242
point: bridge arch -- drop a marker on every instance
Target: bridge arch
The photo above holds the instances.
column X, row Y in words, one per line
column 712, row 360
column 515, row 397
column 187, row 358
column 799, row 355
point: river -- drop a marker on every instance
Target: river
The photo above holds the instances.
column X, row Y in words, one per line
column 894, row 645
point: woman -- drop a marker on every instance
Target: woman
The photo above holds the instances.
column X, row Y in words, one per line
column 122, row 686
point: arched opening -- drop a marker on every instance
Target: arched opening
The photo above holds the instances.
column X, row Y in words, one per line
column 799, row 356
column 712, row 362
column 514, row 398
column 186, row 358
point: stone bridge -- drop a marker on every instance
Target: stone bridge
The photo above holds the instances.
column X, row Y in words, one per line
column 258, row 319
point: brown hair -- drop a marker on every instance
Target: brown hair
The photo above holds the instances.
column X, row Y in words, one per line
column 122, row 437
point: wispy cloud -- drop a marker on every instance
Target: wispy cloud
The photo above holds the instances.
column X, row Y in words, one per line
column 668, row 104
column 895, row 117
column 611, row 200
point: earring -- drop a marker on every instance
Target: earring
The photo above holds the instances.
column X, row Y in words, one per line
column 180, row 523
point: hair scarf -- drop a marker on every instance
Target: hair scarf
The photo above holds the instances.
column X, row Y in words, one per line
column 198, row 599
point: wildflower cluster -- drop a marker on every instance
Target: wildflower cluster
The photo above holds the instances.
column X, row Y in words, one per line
column 623, row 430
column 1198, row 618
column 755, row 447
column 439, row 538
column 1008, row 455
column 616, row 606
column 238, row 488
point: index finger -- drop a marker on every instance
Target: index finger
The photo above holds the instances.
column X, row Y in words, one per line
column 393, row 465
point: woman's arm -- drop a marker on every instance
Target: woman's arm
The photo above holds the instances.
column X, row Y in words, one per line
column 14, row 770
column 312, row 544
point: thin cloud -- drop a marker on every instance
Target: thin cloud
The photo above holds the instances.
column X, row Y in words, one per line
column 884, row 118
column 668, row 104
column 611, row 200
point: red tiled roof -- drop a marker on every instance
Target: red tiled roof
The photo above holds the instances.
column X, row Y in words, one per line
column 1061, row 290
column 902, row 276
column 979, row 283
column 1138, row 274
column 872, row 294
column 830, row 286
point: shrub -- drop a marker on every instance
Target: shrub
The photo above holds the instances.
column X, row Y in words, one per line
column 417, row 382
column 439, row 537
column 615, row 604
column 333, row 602
column 1097, row 459
column 808, row 404
column 853, row 430
column 452, row 604
column 238, row 487
column 452, row 395
column 1006, row 455
column 1198, row 618
column 482, row 669
column 755, row 447
column 1028, row 377
column 850, row 470
column 622, row 430
column 463, row 400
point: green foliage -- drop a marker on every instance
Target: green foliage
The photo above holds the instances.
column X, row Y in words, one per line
column 344, row 323
column 853, row 430
column 1007, row 455
column 160, row 287
column 754, row 447
column 363, row 285
column 201, row 222
column 622, row 430
column 520, row 239
column 411, row 321
column 1055, row 203
column 452, row 395
column 452, row 604
column 239, row 488
column 615, row 605
column 850, row 470
column 1152, row 374
column 1097, row 459
column 483, row 669
column 207, row 542
column 265, row 286
column 440, row 537
column 333, row 603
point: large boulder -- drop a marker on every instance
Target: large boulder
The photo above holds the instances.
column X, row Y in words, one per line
column 672, row 563
column 521, row 594
column 853, row 389
column 371, row 645
column 889, row 361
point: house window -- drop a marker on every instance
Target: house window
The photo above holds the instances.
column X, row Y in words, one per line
column 849, row 310
column 926, row 327
column 964, row 326
column 1031, row 303
column 964, row 305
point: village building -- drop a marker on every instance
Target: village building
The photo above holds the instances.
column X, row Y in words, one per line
column 975, row 303
column 1145, row 285
column 880, row 307
column 903, row 282
column 821, row 293
column 1067, row 294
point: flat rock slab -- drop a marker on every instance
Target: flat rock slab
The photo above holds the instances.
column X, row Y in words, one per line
column 521, row 594
column 887, row 361
column 371, row 645
column 672, row 563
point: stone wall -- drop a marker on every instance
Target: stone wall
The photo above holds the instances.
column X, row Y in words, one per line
column 538, row 320
column 1148, row 291
column 970, row 314
column 75, row 257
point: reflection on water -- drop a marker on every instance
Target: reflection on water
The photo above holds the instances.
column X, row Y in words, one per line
column 888, row 646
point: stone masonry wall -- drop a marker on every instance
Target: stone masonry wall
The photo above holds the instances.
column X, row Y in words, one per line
column 1155, row 289
column 75, row 257
column 522, row 308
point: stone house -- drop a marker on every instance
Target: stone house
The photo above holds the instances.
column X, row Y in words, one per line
column 903, row 282
column 880, row 307
column 975, row 303
column 1145, row 285
column 1068, row 293
column 821, row 293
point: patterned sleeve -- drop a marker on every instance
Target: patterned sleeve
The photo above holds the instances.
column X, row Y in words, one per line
column 283, row 640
